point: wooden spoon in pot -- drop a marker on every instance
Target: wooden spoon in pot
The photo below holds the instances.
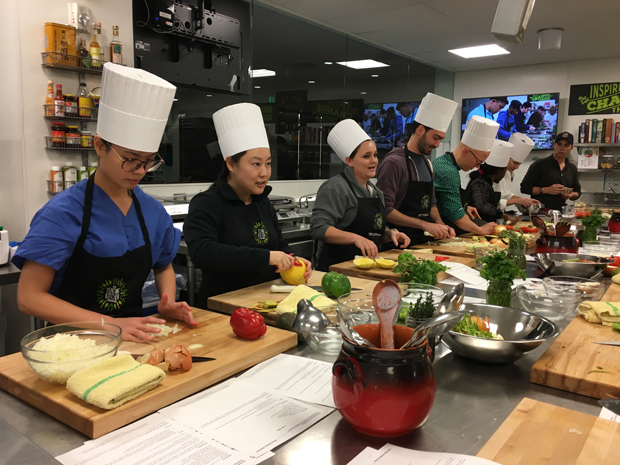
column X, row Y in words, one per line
column 386, row 300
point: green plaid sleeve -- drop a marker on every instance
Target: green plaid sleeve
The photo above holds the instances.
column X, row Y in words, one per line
column 447, row 189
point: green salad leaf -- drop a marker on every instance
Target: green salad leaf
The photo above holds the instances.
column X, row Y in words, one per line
column 595, row 219
column 416, row 270
column 467, row 326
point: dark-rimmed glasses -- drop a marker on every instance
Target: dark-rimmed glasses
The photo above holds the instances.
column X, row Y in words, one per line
column 132, row 164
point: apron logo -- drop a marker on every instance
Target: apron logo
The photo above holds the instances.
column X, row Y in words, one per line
column 261, row 235
column 111, row 294
column 378, row 221
column 425, row 202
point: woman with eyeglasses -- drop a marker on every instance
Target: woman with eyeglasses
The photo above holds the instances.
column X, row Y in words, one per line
column 90, row 249
column 480, row 192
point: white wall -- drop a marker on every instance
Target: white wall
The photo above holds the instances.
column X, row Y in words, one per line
column 554, row 77
column 25, row 162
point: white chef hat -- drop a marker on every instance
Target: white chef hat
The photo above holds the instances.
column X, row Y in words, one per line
column 500, row 155
column 523, row 146
column 345, row 137
column 480, row 133
column 240, row 127
column 436, row 112
column 134, row 107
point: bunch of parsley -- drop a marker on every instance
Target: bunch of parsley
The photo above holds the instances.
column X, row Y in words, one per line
column 498, row 267
column 516, row 240
column 413, row 270
column 595, row 219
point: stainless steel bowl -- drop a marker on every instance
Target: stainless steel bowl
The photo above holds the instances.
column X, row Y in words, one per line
column 522, row 331
column 563, row 268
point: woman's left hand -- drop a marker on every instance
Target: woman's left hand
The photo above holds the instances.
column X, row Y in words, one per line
column 308, row 272
column 177, row 310
column 398, row 236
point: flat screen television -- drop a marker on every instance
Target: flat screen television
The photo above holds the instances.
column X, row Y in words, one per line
column 538, row 119
column 406, row 117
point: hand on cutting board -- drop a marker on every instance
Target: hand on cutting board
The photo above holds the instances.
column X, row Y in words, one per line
column 135, row 329
column 176, row 310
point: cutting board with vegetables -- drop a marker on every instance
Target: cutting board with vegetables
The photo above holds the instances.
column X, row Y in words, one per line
column 572, row 363
column 536, row 433
column 229, row 302
column 440, row 247
column 349, row 269
column 232, row 355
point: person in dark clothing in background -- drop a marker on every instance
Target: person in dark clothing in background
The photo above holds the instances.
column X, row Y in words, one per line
column 520, row 118
column 537, row 117
column 506, row 120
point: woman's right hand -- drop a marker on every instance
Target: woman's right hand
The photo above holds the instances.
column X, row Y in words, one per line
column 135, row 329
column 280, row 260
column 368, row 247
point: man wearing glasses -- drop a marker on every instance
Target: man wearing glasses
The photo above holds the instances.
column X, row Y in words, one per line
column 471, row 152
column 90, row 249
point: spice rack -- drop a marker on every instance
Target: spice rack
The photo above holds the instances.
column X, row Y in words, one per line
column 48, row 113
column 54, row 187
column 62, row 61
column 66, row 143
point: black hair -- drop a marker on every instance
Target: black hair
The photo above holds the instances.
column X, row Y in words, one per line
column 487, row 170
column 382, row 111
column 500, row 99
column 515, row 105
column 357, row 148
column 224, row 172
column 527, row 105
column 391, row 111
column 400, row 105
column 415, row 125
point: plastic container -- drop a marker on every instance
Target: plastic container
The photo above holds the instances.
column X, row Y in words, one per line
column 56, row 184
column 69, row 175
column 82, row 173
column 92, row 166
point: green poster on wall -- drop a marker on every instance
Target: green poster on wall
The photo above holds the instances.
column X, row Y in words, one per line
column 594, row 99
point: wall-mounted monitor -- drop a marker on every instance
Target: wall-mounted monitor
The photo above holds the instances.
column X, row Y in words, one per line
column 378, row 116
column 535, row 115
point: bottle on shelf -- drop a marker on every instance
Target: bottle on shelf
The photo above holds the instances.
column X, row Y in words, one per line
column 85, row 60
column 82, row 173
column 84, row 102
column 49, row 99
column 116, row 48
column 59, row 102
column 69, row 175
column 55, row 180
column 71, row 106
column 95, row 48
column 92, row 166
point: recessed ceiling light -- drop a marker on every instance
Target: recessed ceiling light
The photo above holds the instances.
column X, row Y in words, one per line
column 374, row 75
column 362, row 64
column 328, row 63
column 257, row 87
column 175, row 100
column 256, row 73
column 310, row 82
column 480, row 51
column 209, row 95
column 363, row 93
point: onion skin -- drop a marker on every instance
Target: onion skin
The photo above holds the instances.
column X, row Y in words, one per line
column 179, row 357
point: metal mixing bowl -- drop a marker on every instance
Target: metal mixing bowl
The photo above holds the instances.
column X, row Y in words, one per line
column 563, row 268
column 522, row 332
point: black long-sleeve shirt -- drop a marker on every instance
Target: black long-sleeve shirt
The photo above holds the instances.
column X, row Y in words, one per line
column 219, row 236
column 546, row 172
column 479, row 192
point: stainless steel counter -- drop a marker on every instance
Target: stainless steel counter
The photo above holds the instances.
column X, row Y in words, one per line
column 472, row 400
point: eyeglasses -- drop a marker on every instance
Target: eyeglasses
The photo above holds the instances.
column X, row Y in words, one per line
column 478, row 161
column 132, row 164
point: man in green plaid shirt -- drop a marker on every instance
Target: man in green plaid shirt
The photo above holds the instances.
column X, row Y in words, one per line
column 473, row 149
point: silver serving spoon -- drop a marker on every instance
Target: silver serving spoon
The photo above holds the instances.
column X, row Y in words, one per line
column 350, row 333
column 452, row 300
column 386, row 298
column 434, row 327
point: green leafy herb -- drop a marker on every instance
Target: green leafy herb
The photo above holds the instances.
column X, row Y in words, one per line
column 467, row 326
column 516, row 240
column 423, row 308
column 498, row 267
column 416, row 270
column 600, row 368
column 595, row 219
column 598, row 371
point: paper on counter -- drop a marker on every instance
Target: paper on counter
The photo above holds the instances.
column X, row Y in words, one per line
column 297, row 377
column 244, row 417
column 154, row 440
column 470, row 276
column 607, row 414
column 394, row 455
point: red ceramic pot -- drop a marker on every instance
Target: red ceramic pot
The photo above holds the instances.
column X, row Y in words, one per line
column 382, row 392
column 614, row 223
column 557, row 244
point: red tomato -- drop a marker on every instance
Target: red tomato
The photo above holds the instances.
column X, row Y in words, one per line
column 510, row 227
column 616, row 261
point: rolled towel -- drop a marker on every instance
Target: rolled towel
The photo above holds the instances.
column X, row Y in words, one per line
column 606, row 313
column 114, row 381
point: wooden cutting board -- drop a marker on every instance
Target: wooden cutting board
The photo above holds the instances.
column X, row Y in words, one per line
column 568, row 362
column 349, row 269
column 440, row 249
column 229, row 302
column 536, row 433
column 232, row 354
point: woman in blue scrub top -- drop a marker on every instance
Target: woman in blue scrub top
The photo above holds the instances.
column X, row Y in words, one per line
column 90, row 249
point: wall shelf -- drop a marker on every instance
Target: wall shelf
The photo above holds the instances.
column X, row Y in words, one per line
column 596, row 144
column 48, row 110
column 57, row 60
column 598, row 170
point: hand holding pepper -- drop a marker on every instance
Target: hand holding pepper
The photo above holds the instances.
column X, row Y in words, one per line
column 247, row 324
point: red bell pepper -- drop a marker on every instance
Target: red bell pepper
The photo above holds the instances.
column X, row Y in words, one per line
column 441, row 259
column 247, row 324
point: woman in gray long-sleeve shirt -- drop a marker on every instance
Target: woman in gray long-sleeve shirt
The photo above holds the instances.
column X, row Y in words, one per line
column 348, row 217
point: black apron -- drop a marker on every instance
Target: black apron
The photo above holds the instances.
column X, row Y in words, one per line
column 248, row 227
column 494, row 199
column 368, row 223
column 108, row 285
column 417, row 203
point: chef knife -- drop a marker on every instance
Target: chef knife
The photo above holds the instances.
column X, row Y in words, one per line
column 607, row 343
column 611, row 404
column 275, row 288
column 194, row 359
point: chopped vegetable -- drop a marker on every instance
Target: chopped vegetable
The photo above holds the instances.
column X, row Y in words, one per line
column 247, row 324
column 165, row 330
column 416, row 270
column 616, row 327
column 516, row 240
column 470, row 325
column 265, row 306
column 441, row 259
column 598, row 371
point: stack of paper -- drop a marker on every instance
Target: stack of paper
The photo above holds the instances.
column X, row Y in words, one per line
column 394, row 455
